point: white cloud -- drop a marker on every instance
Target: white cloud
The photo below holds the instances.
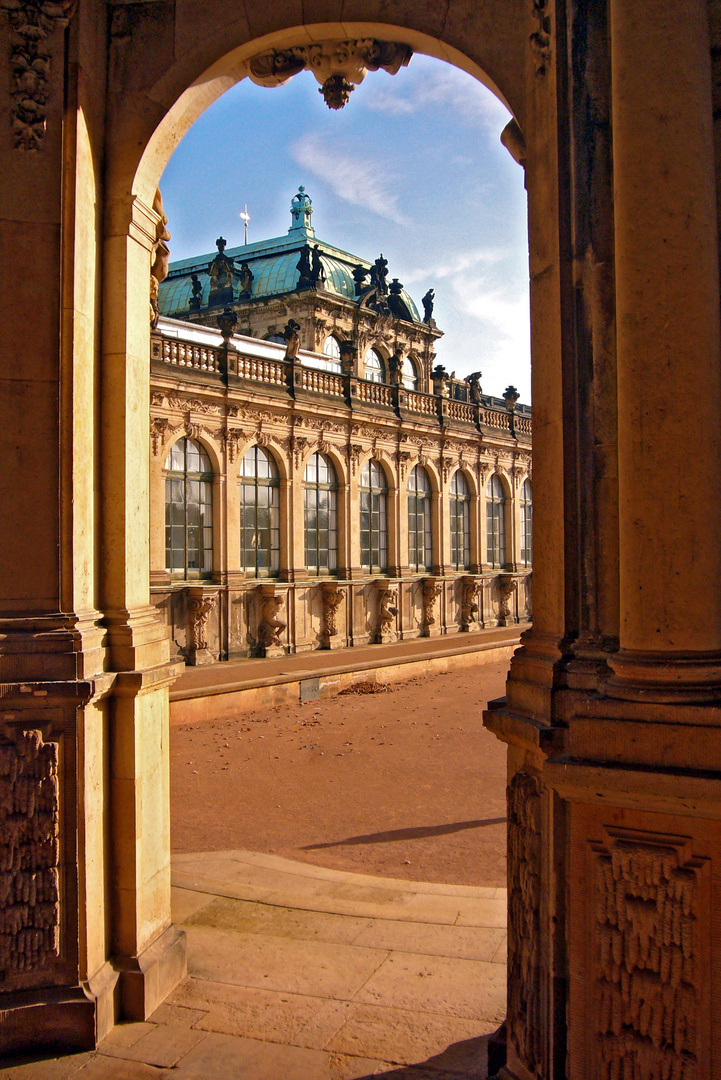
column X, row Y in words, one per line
column 347, row 174
column 443, row 85
column 459, row 264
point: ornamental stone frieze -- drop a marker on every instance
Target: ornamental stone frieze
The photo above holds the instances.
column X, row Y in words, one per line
column 339, row 66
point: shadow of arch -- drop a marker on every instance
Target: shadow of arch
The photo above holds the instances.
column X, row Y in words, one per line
column 418, row 833
column 464, row 1060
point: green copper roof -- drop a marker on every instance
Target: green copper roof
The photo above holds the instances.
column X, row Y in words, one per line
column 273, row 264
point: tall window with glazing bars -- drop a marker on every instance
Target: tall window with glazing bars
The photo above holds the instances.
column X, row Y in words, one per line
column 188, row 511
column 420, row 546
column 526, row 524
column 460, row 511
column 320, row 494
column 373, row 517
column 259, row 514
column 495, row 522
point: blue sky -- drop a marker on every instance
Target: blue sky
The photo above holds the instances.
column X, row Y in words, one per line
column 412, row 167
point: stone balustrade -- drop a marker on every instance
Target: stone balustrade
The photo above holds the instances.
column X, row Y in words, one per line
column 294, row 376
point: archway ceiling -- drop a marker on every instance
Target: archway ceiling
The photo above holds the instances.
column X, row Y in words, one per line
column 168, row 64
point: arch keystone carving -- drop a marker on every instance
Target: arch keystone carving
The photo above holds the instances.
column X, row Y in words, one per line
column 339, row 66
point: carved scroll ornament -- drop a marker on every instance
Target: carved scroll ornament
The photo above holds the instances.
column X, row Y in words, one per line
column 32, row 21
column 199, row 611
column 29, row 855
column 431, row 591
column 270, row 627
column 339, row 66
column 332, row 599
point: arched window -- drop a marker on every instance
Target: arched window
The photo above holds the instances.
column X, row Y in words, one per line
column 188, row 511
column 460, row 508
column 420, row 547
column 320, row 509
column 526, row 524
column 373, row 369
column 332, row 348
column 409, row 377
column 373, row 517
column 259, row 514
column 496, row 522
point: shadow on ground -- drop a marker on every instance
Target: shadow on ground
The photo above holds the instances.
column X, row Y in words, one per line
column 418, row 833
column 466, row 1060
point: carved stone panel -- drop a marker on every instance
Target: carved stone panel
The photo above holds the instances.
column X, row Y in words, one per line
column 648, row 983
column 29, row 854
column 524, row 928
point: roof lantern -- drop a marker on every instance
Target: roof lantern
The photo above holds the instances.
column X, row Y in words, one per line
column 301, row 209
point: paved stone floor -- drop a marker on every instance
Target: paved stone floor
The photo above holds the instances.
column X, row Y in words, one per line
column 296, row 972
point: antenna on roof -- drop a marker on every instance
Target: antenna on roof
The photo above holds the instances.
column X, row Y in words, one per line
column 245, row 218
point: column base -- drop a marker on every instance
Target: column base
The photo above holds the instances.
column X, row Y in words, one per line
column 52, row 1019
column 146, row 980
column 664, row 677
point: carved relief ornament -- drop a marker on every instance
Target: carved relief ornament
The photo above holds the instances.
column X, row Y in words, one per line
column 29, row 852
column 648, row 987
column 524, row 924
column 32, row 21
column 339, row 66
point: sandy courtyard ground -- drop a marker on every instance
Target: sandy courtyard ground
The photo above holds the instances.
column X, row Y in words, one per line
column 405, row 783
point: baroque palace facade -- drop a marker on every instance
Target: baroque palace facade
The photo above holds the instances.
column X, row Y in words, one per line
column 316, row 482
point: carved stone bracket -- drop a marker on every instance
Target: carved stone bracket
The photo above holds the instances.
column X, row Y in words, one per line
column 270, row 627
column 200, row 606
column 432, row 589
column 29, row 854
column 470, row 587
column 332, row 599
column 507, row 585
column 339, row 66
column 32, row 21
column 387, row 612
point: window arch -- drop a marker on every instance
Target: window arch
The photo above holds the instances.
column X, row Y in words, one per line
column 373, row 367
column 460, row 509
column 332, row 348
column 409, row 376
column 373, row 517
column 320, row 496
column 496, row 521
column 259, row 514
column 420, row 545
column 188, row 511
column 526, row 524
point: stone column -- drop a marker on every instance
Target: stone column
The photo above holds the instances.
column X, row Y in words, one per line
column 148, row 952
column 668, row 353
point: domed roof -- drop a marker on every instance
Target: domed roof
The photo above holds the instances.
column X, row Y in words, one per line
column 274, row 266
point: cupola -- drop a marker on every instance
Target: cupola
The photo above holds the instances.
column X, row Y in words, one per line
column 301, row 209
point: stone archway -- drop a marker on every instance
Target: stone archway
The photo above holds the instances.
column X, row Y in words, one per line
column 620, row 675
